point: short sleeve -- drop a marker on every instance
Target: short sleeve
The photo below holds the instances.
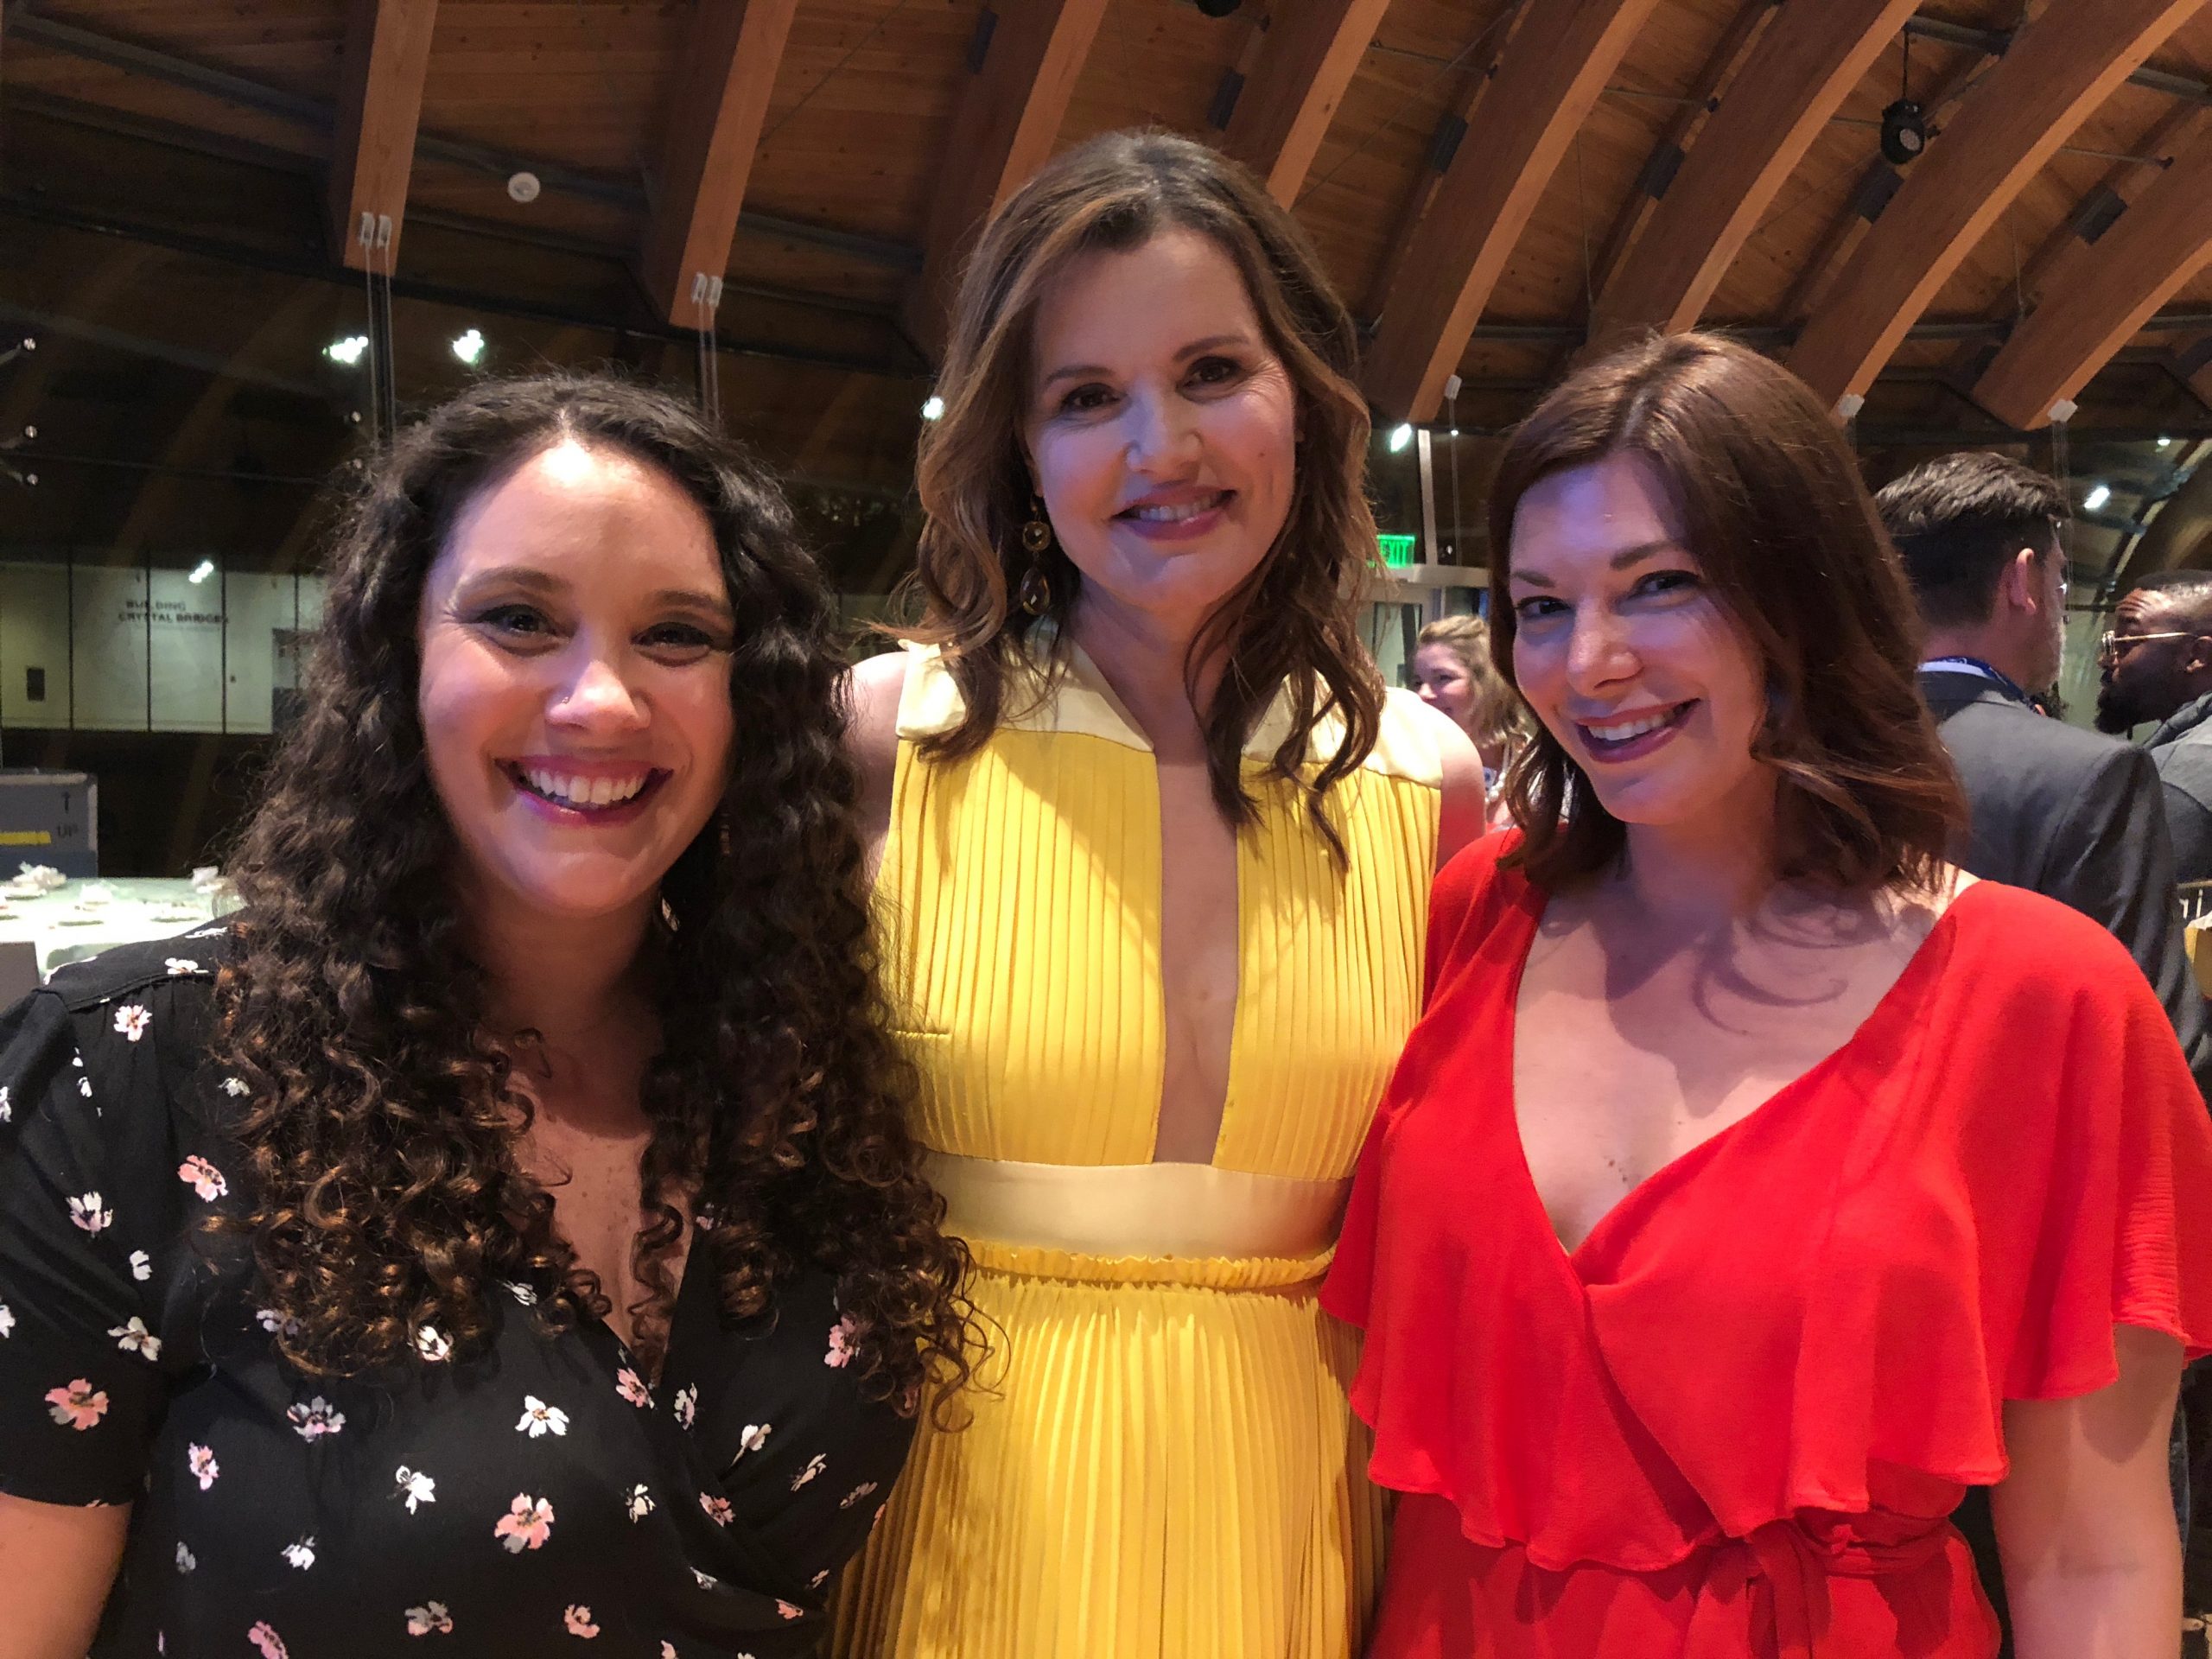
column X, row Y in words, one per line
column 2121, row 1168
column 81, row 1383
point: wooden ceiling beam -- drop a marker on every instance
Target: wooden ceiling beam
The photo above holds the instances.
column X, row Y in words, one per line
column 2098, row 304
column 1797, row 75
column 2055, row 71
column 1306, row 60
column 727, row 72
column 373, row 145
column 1537, row 97
column 1023, row 68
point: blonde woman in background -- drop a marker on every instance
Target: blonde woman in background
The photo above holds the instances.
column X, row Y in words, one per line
column 1452, row 671
column 1155, row 848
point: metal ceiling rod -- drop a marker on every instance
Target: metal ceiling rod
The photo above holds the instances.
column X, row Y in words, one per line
column 1993, row 41
column 24, row 25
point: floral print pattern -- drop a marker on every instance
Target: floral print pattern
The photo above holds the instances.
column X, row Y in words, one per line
column 276, row 1537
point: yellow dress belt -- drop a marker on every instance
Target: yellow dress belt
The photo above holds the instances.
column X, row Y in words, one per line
column 1026, row 1217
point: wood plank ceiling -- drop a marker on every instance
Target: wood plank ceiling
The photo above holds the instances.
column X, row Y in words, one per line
column 1498, row 186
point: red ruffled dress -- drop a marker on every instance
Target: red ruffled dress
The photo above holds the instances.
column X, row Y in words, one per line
column 1734, row 1421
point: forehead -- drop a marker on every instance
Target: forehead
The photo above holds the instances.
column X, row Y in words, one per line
column 1113, row 305
column 1591, row 512
column 595, row 513
column 2146, row 612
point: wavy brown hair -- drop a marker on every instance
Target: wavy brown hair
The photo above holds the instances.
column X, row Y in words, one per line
column 381, row 1123
column 1767, row 495
column 1293, row 623
column 1498, row 715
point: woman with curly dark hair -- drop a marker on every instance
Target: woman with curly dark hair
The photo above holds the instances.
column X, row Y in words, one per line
column 503, row 1228
column 1156, row 849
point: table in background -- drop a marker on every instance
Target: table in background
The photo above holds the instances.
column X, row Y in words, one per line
column 61, row 927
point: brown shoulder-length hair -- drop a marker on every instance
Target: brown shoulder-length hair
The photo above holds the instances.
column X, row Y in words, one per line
column 1767, row 495
column 1293, row 622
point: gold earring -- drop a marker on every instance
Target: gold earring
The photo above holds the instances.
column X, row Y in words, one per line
column 1035, row 594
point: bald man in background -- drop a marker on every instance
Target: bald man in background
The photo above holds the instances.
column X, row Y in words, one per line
column 2156, row 665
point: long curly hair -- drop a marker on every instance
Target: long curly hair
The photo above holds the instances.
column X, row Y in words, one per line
column 1292, row 623
column 380, row 1119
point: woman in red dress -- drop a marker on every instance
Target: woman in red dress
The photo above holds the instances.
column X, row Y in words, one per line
column 1755, row 1183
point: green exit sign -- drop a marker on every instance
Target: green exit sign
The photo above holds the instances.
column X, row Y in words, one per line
column 1396, row 550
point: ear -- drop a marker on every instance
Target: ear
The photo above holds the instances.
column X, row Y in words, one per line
column 2019, row 587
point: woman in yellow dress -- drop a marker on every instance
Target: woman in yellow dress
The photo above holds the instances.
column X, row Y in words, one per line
column 1154, row 853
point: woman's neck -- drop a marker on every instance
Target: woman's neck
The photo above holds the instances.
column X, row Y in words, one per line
column 1714, row 871
column 561, row 978
column 1143, row 657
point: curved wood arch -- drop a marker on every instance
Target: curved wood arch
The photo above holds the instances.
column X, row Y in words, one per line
column 727, row 72
column 1802, row 66
column 1307, row 58
column 2096, row 305
column 1539, row 92
column 387, row 56
column 1010, row 113
column 2056, row 71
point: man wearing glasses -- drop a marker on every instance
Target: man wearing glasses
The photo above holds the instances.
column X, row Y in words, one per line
column 2156, row 664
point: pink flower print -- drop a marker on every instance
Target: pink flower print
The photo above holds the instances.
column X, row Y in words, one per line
column 639, row 1502
column 668, row 1651
column 527, row 1523
column 200, row 1462
column 414, row 1486
column 856, row 1495
column 754, row 1437
column 578, row 1620
column 132, row 1022
column 706, row 1220
column 7, row 1320
column 687, row 1406
column 136, row 1339
column 818, row 1580
column 300, row 1553
column 717, row 1509
column 89, row 1213
column 813, row 1468
column 841, row 1343
column 790, row 1611
column 317, row 1418
column 631, row 1387
column 7, row 1111
column 433, row 1344
column 203, row 1178
column 431, row 1618
column 274, row 1322
column 78, row 1405
column 271, row 1644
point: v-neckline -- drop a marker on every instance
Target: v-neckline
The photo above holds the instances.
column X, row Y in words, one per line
column 1685, row 1163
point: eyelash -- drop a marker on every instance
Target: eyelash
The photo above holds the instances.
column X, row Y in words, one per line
column 505, row 620
column 1072, row 403
column 1656, row 583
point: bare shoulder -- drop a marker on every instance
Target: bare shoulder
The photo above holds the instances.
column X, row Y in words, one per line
column 872, row 687
column 1466, row 803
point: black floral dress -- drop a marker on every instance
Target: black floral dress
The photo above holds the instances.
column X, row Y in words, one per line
column 540, row 1494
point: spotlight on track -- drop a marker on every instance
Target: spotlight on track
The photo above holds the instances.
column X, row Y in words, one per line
column 1400, row 435
column 1904, row 132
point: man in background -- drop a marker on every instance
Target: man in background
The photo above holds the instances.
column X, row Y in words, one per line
column 2156, row 664
column 2055, row 809
column 2068, row 813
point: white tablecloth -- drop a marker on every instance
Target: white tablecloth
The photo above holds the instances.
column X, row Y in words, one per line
column 63, row 927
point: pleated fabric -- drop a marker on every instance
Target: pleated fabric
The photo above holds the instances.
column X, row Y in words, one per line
column 1161, row 1460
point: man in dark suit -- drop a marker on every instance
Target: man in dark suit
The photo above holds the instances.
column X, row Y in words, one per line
column 2065, row 812
column 2062, row 812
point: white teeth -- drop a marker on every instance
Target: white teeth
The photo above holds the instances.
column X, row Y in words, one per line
column 583, row 791
column 1628, row 729
column 1176, row 515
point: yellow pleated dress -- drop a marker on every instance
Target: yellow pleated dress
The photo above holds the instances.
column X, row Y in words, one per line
column 1161, row 1460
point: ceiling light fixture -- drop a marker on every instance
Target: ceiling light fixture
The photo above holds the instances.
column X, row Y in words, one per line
column 348, row 351
column 1400, row 435
column 201, row 571
column 468, row 346
column 2098, row 495
column 933, row 408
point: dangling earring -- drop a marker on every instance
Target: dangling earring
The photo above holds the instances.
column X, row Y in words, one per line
column 1035, row 594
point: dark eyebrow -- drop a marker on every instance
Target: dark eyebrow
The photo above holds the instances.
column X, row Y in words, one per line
column 1086, row 371
column 693, row 600
column 520, row 575
column 1620, row 560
